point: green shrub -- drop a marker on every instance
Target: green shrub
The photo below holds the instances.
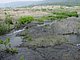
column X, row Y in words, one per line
column 25, row 19
column 70, row 14
column 12, row 50
column 17, row 25
column 4, row 28
column 7, row 46
column 6, row 43
column 8, row 18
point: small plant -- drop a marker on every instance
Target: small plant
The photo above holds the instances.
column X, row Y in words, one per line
column 8, row 18
column 7, row 46
column 22, row 57
column 25, row 19
column 17, row 25
column 4, row 28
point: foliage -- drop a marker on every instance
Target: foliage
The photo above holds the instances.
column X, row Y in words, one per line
column 61, row 15
column 22, row 57
column 25, row 19
column 57, row 16
column 66, row 13
column 4, row 28
column 17, row 25
column 6, row 43
column 12, row 50
column 8, row 18
column 7, row 46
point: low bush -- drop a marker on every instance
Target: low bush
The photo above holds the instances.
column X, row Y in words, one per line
column 8, row 18
column 70, row 14
column 17, row 25
column 25, row 19
column 7, row 46
column 4, row 28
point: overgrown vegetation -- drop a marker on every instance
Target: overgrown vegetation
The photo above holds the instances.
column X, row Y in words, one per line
column 25, row 19
column 53, row 16
column 4, row 28
column 6, row 46
column 8, row 18
column 17, row 25
column 58, row 16
column 62, row 15
column 6, row 25
column 66, row 13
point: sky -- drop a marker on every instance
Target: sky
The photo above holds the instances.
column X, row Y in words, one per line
column 6, row 1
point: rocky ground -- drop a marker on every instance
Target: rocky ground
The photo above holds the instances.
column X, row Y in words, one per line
column 57, row 40
column 58, row 52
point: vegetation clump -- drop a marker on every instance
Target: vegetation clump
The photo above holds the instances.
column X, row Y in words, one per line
column 8, row 18
column 6, row 46
column 68, row 14
column 25, row 19
column 57, row 16
column 6, row 25
column 61, row 15
column 4, row 28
